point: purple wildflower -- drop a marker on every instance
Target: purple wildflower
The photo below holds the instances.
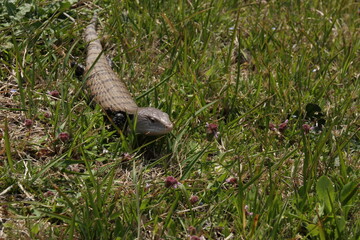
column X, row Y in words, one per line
column 231, row 180
column 54, row 93
column 306, row 128
column 28, row 123
column 272, row 127
column 64, row 136
column 194, row 199
column 170, row 181
column 247, row 212
column 283, row 126
column 47, row 114
column 212, row 129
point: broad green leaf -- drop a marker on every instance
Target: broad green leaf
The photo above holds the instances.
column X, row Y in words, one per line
column 64, row 6
column 313, row 229
column 325, row 191
column 35, row 229
column 348, row 192
column 340, row 222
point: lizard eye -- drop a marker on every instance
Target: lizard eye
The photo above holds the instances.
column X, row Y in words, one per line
column 152, row 120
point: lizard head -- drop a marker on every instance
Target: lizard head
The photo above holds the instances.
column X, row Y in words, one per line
column 152, row 121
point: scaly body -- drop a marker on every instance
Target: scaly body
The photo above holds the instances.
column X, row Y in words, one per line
column 111, row 93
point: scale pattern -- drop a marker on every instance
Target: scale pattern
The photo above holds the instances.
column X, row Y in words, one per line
column 105, row 86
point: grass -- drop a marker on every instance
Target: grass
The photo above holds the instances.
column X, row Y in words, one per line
column 264, row 96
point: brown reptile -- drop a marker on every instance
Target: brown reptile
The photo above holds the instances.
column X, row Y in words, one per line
column 112, row 95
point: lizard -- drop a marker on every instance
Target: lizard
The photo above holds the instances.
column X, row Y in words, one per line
column 112, row 94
